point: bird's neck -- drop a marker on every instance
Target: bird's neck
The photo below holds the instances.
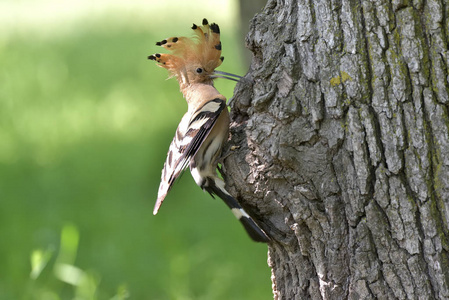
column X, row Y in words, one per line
column 199, row 92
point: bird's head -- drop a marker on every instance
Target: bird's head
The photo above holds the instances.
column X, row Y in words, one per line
column 194, row 60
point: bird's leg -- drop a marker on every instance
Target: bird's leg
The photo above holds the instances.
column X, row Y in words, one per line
column 220, row 165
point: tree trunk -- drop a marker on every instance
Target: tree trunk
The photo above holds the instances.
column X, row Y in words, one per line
column 247, row 10
column 343, row 128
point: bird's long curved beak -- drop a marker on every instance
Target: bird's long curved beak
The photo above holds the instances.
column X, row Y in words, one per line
column 225, row 75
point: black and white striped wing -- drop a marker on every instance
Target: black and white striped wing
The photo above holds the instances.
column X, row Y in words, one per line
column 189, row 137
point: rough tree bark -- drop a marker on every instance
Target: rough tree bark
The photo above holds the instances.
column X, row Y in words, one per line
column 343, row 128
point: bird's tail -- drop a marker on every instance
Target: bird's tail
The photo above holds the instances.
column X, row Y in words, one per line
column 215, row 186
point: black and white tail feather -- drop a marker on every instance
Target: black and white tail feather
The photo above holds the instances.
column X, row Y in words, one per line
column 215, row 186
column 204, row 128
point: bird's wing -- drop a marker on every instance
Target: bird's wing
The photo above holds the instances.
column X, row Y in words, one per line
column 188, row 139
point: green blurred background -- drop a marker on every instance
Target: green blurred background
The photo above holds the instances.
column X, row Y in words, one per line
column 85, row 124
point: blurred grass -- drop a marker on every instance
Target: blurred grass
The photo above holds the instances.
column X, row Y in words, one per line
column 85, row 124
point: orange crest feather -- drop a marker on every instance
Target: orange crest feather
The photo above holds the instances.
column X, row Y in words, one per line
column 202, row 50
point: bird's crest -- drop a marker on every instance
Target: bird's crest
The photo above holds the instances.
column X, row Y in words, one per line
column 192, row 56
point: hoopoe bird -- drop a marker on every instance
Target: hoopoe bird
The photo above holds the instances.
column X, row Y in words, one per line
column 204, row 129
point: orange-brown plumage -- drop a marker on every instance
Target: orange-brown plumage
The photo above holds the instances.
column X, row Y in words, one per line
column 193, row 59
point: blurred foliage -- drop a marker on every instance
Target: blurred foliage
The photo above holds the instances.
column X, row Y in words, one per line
column 85, row 124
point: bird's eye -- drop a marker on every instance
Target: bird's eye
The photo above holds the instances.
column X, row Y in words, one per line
column 199, row 70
